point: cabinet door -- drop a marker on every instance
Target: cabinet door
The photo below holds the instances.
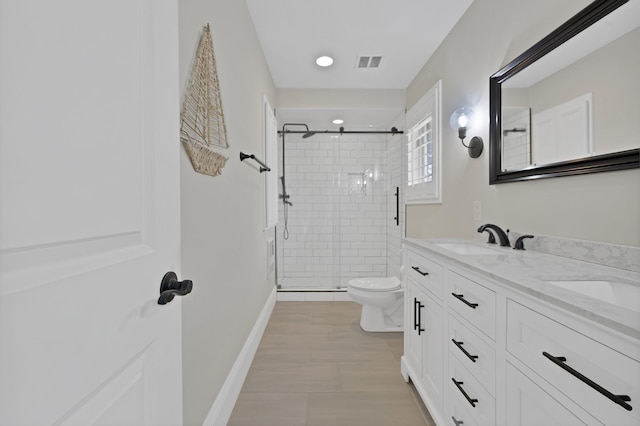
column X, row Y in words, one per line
column 528, row 404
column 432, row 347
column 413, row 335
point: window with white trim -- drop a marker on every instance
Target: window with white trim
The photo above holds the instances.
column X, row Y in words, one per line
column 420, row 153
column 423, row 183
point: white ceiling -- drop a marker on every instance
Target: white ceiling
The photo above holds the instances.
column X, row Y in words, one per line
column 293, row 33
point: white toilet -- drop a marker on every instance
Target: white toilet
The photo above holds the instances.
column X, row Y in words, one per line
column 382, row 300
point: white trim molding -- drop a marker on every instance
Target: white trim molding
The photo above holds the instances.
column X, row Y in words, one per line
column 430, row 105
column 225, row 401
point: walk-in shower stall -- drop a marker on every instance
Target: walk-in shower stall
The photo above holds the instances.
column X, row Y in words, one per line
column 339, row 215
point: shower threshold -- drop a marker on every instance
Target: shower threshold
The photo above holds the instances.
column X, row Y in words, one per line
column 312, row 295
column 313, row 290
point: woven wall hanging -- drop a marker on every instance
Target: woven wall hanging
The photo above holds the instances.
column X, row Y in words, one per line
column 202, row 126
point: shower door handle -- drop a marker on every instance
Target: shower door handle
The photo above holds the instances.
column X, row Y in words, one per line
column 397, row 218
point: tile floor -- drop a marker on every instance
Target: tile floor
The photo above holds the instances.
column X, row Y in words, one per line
column 316, row 367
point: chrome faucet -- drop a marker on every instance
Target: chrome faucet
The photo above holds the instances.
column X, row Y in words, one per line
column 502, row 236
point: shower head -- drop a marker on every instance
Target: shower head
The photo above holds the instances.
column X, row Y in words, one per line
column 306, row 135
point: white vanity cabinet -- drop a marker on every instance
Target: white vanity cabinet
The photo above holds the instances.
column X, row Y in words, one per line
column 587, row 372
column 473, row 302
column 424, row 326
column 529, row 405
column 413, row 331
column 482, row 352
column 471, row 354
column 471, row 375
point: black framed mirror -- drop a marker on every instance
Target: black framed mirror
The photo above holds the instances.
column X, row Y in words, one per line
column 522, row 146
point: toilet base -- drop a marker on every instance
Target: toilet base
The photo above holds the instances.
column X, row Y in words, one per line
column 373, row 319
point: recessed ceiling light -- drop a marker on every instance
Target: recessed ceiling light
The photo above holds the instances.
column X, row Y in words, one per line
column 338, row 121
column 324, row 61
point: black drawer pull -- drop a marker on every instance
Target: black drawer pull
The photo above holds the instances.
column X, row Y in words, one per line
column 457, row 422
column 417, row 269
column 415, row 314
column 618, row 399
column 461, row 298
column 472, row 401
column 459, row 345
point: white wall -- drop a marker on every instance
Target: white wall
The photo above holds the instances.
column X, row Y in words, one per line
column 223, row 243
column 601, row 207
column 365, row 99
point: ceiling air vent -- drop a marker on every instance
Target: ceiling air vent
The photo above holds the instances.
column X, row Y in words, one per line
column 368, row 61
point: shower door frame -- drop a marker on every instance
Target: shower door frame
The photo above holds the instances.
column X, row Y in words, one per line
column 338, row 192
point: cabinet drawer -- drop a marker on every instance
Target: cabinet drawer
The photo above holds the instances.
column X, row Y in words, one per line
column 427, row 273
column 531, row 335
column 480, row 405
column 475, row 303
column 472, row 352
column 457, row 413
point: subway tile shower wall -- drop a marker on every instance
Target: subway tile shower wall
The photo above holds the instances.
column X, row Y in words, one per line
column 337, row 225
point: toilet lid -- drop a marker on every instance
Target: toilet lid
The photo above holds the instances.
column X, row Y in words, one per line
column 375, row 283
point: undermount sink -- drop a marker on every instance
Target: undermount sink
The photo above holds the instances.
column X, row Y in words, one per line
column 468, row 249
column 617, row 293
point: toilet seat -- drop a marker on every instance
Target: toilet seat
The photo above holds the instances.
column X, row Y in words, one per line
column 375, row 283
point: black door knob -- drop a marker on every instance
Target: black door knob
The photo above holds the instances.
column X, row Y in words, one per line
column 170, row 287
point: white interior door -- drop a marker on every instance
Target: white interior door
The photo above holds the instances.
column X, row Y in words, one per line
column 89, row 212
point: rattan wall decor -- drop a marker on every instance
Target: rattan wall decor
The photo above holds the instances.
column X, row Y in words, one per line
column 202, row 127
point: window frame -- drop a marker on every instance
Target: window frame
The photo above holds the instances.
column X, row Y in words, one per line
column 430, row 105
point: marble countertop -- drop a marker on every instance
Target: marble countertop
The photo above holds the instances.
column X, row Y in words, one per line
column 530, row 272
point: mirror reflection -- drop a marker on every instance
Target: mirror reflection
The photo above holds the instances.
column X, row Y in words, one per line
column 569, row 103
column 516, row 137
column 587, row 108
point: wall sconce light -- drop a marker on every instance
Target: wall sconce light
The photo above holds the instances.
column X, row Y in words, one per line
column 461, row 120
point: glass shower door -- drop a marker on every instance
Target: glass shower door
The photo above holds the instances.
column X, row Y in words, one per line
column 336, row 225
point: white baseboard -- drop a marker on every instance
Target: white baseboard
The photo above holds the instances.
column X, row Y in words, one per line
column 223, row 405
